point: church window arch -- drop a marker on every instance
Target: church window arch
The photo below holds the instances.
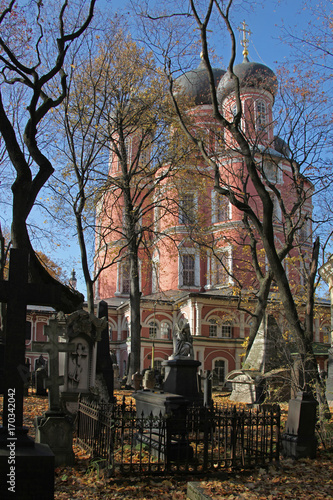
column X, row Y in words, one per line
column 261, row 114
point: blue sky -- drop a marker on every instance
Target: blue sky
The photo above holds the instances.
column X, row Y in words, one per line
column 265, row 19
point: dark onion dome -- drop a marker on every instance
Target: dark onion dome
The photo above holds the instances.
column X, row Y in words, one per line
column 195, row 83
column 251, row 75
column 281, row 147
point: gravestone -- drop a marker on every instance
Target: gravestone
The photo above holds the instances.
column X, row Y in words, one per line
column 299, row 440
column 31, row 475
column 40, row 378
column 149, row 379
column 104, row 362
column 53, row 428
column 208, row 388
column 83, row 330
column 137, row 381
column 116, row 380
column 261, row 366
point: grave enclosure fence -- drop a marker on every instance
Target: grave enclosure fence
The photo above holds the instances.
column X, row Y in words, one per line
column 209, row 439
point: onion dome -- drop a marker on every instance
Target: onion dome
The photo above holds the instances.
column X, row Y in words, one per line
column 195, row 83
column 281, row 147
column 251, row 75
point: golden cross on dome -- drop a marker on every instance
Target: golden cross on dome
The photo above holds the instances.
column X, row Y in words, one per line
column 245, row 41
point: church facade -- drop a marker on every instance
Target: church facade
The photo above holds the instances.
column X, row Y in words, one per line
column 199, row 259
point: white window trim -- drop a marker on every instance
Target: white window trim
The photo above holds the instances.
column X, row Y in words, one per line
column 215, row 197
column 189, row 251
column 263, row 117
column 155, row 272
column 182, row 214
column 212, row 262
column 119, row 290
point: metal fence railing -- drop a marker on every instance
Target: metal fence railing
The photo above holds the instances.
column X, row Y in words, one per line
column 206, row 439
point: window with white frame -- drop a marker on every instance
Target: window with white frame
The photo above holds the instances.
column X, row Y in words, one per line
column 155, row 271
column 261, row 115
column 213, row 328
column 188, row 269
column 128, row 146
column 277, row 212
column 153, row 329
column 326, row 330
column 270, row 171
column 187, row 208
column 220, row 328
column 226, row 330
column 220, row 208
column 165, row 330
column 125, row 276
column 221, row 269
column 305, row 230
column 219, row 372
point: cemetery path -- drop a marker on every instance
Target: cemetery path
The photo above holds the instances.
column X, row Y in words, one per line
column 304, row 479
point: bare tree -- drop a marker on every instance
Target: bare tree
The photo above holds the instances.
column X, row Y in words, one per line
column 253, row 192
column 33, row 63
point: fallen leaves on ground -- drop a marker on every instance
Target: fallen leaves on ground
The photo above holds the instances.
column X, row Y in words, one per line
column 297, row 480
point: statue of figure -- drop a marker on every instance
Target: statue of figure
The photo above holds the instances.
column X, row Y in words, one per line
column 183, row 345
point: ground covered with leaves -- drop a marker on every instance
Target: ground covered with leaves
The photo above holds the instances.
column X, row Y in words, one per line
column 302, row 479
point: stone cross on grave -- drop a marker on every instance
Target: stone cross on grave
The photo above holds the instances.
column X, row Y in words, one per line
column 53, row 347
column 17, row 292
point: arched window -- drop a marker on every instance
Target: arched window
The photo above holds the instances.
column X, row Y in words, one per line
column 220, row 328
column 219, row 372
column 261, row 112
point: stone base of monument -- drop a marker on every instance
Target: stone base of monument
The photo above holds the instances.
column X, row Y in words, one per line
column 181, row 377
column 56, row 430
column 295, row 447
column 299, row 440
column 26, row 471
column 170, row 442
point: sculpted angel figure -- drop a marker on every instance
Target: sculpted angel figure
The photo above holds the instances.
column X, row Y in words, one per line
column 183, row 341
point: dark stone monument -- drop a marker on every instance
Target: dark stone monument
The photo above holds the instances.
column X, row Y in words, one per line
column 40, row 377
column 104, row 363
column 26, row 468
column 173, row 445
column 180, row 390
column 181, row 370
column 299, row 440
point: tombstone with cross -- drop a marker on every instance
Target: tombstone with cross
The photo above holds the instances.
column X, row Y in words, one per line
column 34, row 463
column 83, row 330
column 53, row 347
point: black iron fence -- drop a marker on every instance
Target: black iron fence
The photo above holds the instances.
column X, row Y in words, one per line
column 208, row 439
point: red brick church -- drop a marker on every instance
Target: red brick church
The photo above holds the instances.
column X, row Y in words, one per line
column 183, row 279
